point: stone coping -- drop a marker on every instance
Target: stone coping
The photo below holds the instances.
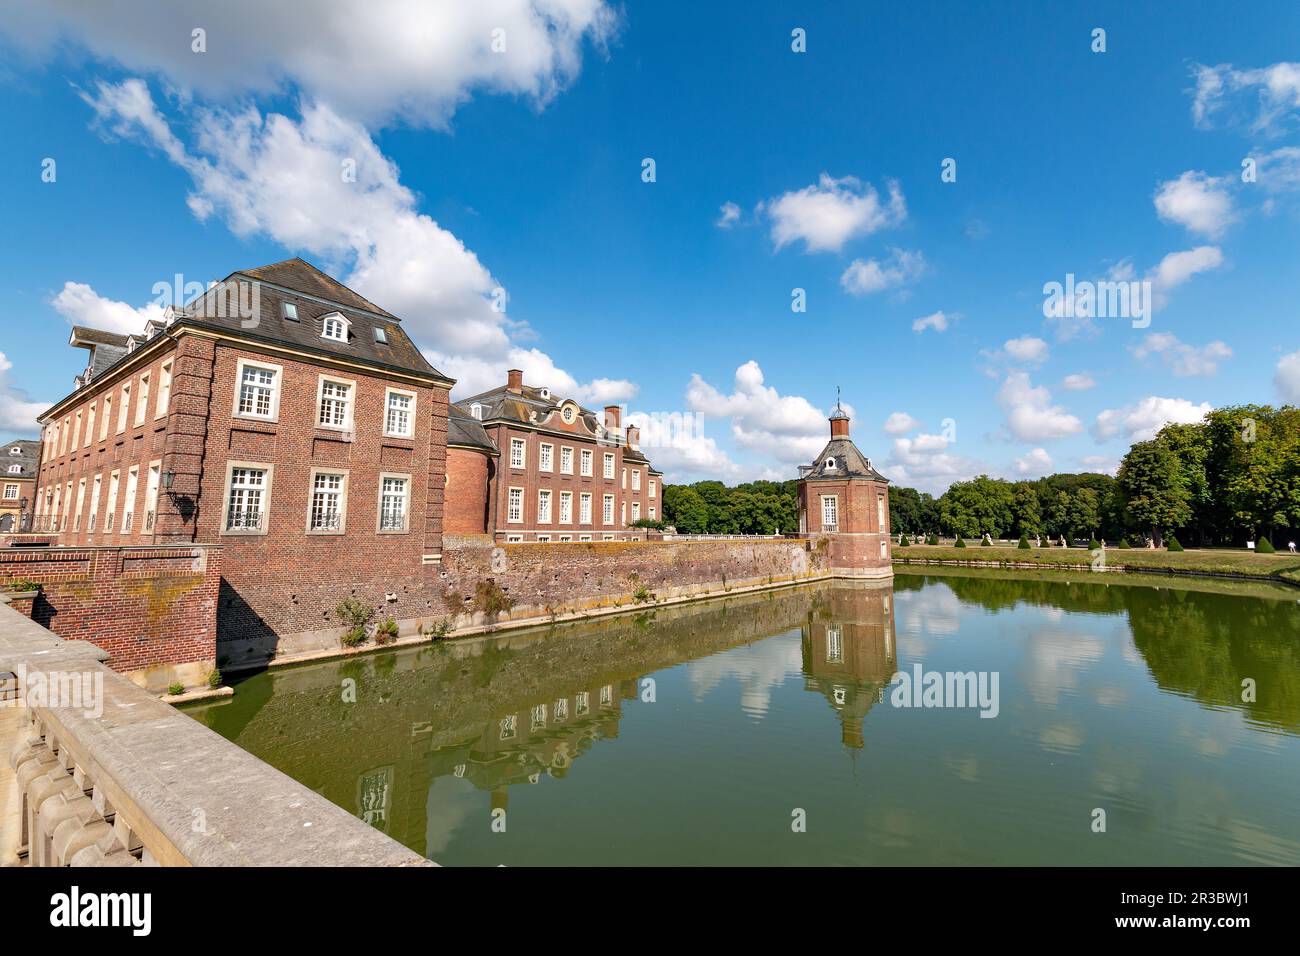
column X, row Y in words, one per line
column 193, row 797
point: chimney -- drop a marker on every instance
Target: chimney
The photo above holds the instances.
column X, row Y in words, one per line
column 515, row 381
column 633, row 437
column 612, row 417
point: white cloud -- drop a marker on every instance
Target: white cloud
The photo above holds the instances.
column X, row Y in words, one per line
column 728, row 215
column 351, row 56
column 1279, row 171
column 1037, row 463
column 788, row 428
column 1271, row 92
column 1182, row 358
column 1031, row 416
column 81, row 305
column 832, row 212
column 17, row 414
column 1078, row 382
column 1141, row 420
column 1101, row 464
column 865, row 276
column 926, row 463
column 900, row 423
column 1287, row 378
column 937, row 321
column 1177, row 267
column 1197, row 202
column 1026, row 349
column 274, row 176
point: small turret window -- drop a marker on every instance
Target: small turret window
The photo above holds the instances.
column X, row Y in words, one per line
column 476, row 410
column 830, row 464
column 334, row 327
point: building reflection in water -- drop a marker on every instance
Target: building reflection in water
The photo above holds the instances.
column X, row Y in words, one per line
column 849, row 652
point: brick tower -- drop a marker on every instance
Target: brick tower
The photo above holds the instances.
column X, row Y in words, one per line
column 846, row 501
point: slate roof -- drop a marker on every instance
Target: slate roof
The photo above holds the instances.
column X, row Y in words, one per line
column 464, row 430
column 29, row 458
column 849, row 463
column 522, row 406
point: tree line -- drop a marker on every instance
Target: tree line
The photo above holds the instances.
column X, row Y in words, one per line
column 1232, row 477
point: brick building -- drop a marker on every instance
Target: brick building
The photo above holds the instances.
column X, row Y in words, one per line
column 19, row 461
column 843, row 498
column 555, row 471
column 280, row 415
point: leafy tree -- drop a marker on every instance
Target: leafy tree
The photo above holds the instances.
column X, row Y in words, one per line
column 1154, row 488
column 981, row 505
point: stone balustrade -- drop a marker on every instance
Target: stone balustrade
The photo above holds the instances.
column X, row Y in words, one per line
column 103, row 773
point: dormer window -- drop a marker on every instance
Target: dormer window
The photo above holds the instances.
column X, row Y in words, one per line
column 334, row 327
column 476, row 410
column 381, row 336
column 15, row 469
column 546, row 393
column 289, row 311
column 830, row 464
column 15, row 450
column 569, row 413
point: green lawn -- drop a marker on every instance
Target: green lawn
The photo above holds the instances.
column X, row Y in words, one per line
column 1207, row 561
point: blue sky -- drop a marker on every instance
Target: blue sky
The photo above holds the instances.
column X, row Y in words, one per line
column 522, row 170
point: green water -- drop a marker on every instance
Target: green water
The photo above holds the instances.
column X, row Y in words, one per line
column 703, row 734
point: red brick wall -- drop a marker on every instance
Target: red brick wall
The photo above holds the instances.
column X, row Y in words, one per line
column 145, row 606
column 857, row 544
column 467, row 492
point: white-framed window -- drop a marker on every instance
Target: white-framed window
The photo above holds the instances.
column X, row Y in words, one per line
column 289, row 311
column 609, row 465
column 67, row 505
column 545, row 457
column 15, row 469
column 607, row 695
column 81, row 500
column 830, row 512
column 636, row 479
column 584, row 508
column 636, row 511
column 123, row 407
column 334, row 400
column 543, row 538
column 514, row 539
column 11, row 492
column 584, row 537
column 623, row 480
column 880, row 513
column 581, row 703
column 399, row 413
column 106, row 421
column 884, row 549
column 95, row 489
column 257, row 394
column 327, row 510
column 834, row 644
column 334, row 327
column 128, row 506
column 164, row 389
column 622, row 513
column 606, row 537
column 114, row 485
column 652, row 487
column 508, row 727
column 566, row 507
column 607, row 514
column 476, row 411
column 544, row 506
column 90, row 425
column 517, row 446
column 566, row 537
column 586, row 462
column 142, row 400
column 151, row 497
column 515, row 505
column 652, row 512
column 566, row 460
column 76, row 433
column 394, row 502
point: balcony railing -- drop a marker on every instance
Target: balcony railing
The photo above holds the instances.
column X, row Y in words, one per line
column 108, row 522
column 90, row 526
column 327, row 521
column 244, row 519
column 148, row 520
column 830, row 527
column 127, row 520
column 392, row 521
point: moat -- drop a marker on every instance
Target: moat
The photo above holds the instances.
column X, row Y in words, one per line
column 702, row 734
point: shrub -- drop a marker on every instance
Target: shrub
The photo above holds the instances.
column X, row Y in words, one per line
column 1171, row 544
column 1265, row 546
column 642, row 594
column 21, row 584
column 960, row 542
column 933, row 539
column 986, row 543
column 214, row 678
column 906, row 542
column 355, row 637
column 386, row 631
column 650, row 523
column 1093, row 544
column 1124, row 545
column 175, row 689
column 491, row 600
column 1024, row 544
column 354, row 611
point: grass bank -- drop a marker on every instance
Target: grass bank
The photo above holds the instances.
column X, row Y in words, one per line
column 1224, row 562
